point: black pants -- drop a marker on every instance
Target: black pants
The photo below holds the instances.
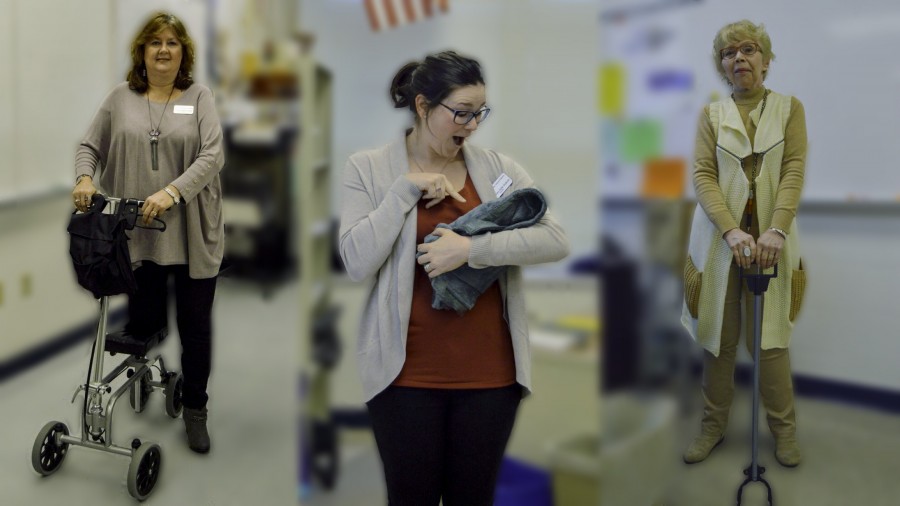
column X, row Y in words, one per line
column 148, row 312
column 437, row 443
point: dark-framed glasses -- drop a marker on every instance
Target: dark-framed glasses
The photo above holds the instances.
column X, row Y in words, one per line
column 464, row 117
column 747, row 48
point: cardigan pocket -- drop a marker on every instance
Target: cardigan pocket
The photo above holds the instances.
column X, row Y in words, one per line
column 692, row 279
column 798, row 290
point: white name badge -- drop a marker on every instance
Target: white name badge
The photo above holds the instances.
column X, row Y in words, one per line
column 501, row 185
column 184, row 109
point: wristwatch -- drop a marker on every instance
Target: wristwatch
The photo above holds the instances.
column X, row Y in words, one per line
column 172, row 194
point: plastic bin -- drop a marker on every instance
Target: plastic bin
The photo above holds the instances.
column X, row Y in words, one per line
column 576, row 471
column 521, row 484
column 630, row 464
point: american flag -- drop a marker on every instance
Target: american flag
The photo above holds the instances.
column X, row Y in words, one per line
column 392, row 13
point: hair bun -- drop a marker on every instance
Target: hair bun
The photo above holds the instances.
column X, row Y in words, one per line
column 400, row 86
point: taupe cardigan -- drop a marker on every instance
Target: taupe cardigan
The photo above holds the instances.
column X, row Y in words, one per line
column 378, row 240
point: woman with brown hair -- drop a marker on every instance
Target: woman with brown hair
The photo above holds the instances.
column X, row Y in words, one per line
column 157, row 137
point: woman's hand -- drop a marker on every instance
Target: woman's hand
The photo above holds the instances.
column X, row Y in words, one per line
column 435, row 187
column 83, row 192
column 155, row 206
column 447, row 253
column 739, row 241
column 768, row 250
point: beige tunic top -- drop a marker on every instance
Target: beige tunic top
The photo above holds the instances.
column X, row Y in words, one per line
column 116, row 152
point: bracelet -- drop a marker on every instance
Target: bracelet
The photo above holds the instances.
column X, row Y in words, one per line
column 780, row 232
column 175, row 198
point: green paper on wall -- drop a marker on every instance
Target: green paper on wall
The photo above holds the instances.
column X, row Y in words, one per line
column 640, row 140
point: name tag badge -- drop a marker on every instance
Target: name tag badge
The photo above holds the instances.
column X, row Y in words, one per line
column 501, row 185
column 184, row 109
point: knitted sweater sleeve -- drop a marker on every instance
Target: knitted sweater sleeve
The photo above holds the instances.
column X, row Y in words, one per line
column 545, row 241
column 706, row 176
column 370, row 228
column 793, row 168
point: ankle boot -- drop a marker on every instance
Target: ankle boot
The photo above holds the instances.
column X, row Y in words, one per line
column 701, row 447
column 787, row 451
column 195, row 426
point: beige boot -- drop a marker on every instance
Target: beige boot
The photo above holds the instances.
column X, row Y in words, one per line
column 701, row 447
column 787, row 451
column 718, row 391
column 777, row 391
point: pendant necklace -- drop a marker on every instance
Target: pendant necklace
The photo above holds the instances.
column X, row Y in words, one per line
column 749, row 210
column 154, row 132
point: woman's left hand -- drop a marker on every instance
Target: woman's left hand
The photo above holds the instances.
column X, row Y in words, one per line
column 155, row 206
column 768, row 249
column 445, row 254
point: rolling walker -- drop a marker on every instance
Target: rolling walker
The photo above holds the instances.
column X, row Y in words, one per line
column 53, row 441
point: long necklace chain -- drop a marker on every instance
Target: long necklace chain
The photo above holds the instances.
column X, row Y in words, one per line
column 154, row 132
column 753, row 173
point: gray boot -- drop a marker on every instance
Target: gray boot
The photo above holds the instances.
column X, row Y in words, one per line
column 195, row 426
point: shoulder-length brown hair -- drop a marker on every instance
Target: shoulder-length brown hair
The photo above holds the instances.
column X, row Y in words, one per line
column 137, row 78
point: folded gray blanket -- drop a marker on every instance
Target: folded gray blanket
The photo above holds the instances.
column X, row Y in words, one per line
column 460, row 288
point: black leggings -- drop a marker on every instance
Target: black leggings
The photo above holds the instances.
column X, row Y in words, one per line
column 148, row 312
column 443, row 444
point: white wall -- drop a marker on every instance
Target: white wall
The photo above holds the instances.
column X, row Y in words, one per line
column 539, row 59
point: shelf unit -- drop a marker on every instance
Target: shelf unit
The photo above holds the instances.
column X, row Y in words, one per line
column 313, row 196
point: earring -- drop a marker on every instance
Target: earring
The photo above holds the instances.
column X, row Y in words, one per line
column 144, row 72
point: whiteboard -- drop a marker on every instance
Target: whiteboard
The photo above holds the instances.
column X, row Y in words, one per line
column 839, row 58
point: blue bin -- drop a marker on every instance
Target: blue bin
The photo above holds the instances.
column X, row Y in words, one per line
column 521, row 484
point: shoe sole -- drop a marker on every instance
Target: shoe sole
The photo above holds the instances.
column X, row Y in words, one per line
column 707, row 455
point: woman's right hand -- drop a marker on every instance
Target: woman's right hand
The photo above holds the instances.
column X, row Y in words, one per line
column 435, row 187
column 738, row 240
column 83, row 192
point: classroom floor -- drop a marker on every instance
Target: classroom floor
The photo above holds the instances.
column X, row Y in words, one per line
column 849, row 456
column 848, row 450
column 252, row 423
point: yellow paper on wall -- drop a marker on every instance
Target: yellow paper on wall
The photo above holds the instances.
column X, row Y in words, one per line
column 611, row 89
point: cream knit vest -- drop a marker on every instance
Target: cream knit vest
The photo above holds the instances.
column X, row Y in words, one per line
column 708, row 249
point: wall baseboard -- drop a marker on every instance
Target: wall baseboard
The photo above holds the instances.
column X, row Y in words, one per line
column 832, row 390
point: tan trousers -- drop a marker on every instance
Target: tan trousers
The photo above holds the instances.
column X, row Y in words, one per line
column 775, row 384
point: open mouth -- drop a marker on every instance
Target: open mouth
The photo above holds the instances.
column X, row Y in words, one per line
column 458, row 140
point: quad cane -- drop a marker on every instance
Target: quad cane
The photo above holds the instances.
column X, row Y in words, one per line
column 757, row 283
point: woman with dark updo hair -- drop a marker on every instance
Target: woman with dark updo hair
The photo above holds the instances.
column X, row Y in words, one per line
column 442, row 388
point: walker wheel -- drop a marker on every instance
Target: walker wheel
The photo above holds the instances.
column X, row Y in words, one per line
column 143, row 472
column 174, row 388
column 145, row 389
column 47, row 454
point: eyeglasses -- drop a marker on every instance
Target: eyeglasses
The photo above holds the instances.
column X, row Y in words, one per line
column 464, row 117
column 748, row 49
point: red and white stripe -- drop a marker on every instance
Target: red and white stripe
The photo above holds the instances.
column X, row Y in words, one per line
column 392, row 13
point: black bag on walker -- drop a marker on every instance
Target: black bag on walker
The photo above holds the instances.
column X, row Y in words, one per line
column 99, row 250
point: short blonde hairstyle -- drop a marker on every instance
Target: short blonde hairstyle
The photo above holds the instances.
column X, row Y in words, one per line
column 733, row 33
